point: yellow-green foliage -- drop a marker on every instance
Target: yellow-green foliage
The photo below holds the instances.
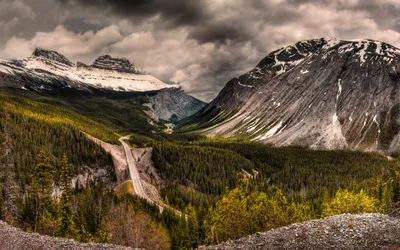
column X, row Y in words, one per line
column 134, row 228
column 56, row 115
column 243, row 211
column 125, row 188
column 350, row 202
column 217, row 139
column 104, row 118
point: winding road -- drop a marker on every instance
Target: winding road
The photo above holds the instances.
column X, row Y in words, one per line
column 135, row 176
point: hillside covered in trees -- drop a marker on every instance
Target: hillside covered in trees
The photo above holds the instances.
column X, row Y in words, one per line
column 251, row 187
column 56, row 181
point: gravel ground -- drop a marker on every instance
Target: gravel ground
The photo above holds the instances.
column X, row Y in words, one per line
column 12, row 238
column 365, row 231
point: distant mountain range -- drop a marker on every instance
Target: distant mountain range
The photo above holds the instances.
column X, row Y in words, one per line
column 321, row 93
column 50, row 72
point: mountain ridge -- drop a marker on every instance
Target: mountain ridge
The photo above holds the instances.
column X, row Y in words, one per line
column 108, row 73
column 49, row 72
column 52, row 55
column 108, row 62
column 321, row 93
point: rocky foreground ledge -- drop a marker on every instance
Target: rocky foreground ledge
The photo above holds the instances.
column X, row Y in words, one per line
column 12, row 238
column 345, row 231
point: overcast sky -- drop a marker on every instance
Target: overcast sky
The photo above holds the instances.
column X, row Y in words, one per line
column 200, row 44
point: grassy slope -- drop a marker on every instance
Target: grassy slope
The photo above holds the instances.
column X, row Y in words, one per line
column 125, row 188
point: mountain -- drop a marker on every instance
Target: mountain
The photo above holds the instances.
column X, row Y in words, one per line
column 46, row 69
column 50, row 72
column 321, row 93
column 173, row 104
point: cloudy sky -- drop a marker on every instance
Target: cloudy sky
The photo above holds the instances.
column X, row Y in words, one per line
column 200, row 44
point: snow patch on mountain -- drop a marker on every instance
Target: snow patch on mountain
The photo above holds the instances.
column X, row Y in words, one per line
column 322, row 93
column 106, row 73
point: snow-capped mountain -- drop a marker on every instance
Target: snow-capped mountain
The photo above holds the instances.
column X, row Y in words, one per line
column 49, row 71
column 50, row 67
column 322, row 93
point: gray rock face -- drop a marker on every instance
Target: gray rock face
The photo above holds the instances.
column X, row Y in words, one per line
column 174, row 104
column 323, row 93
column 52, row 55
column 82, row 65
column 118, row 64
column 15, row 239
column 365, row 231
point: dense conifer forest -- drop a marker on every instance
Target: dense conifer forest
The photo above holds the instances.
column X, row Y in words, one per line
column 55, row 181
column 243, row 177
column 44, row 153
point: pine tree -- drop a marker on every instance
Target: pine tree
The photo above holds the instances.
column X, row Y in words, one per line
column 396, row 189
column 192, row 227
column 67, row 227
column 387, row 197
column 396, row 186
column 42, row 181
column 10, row 188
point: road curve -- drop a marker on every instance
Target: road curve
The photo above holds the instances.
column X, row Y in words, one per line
column 135, row 176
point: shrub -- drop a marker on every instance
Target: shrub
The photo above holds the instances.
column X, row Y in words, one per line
column 349, row 202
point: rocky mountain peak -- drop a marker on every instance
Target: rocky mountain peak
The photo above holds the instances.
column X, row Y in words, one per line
column 321, row 93
column 108, row 62
column 282, row 60
column 52, row 55
column 50, row 68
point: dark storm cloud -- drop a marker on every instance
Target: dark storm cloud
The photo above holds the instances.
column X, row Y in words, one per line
column 220, row 33
column 200, row 44
column 194, row 14
column 175, row 13
column 81, row 26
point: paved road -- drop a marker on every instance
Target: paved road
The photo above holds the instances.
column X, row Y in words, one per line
column 135, row 176
column 137, row 184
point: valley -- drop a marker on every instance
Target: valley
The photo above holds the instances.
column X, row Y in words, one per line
column 199, row 124
column 178, row 173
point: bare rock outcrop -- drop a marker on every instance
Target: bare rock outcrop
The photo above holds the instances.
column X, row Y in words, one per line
column 118, row 64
